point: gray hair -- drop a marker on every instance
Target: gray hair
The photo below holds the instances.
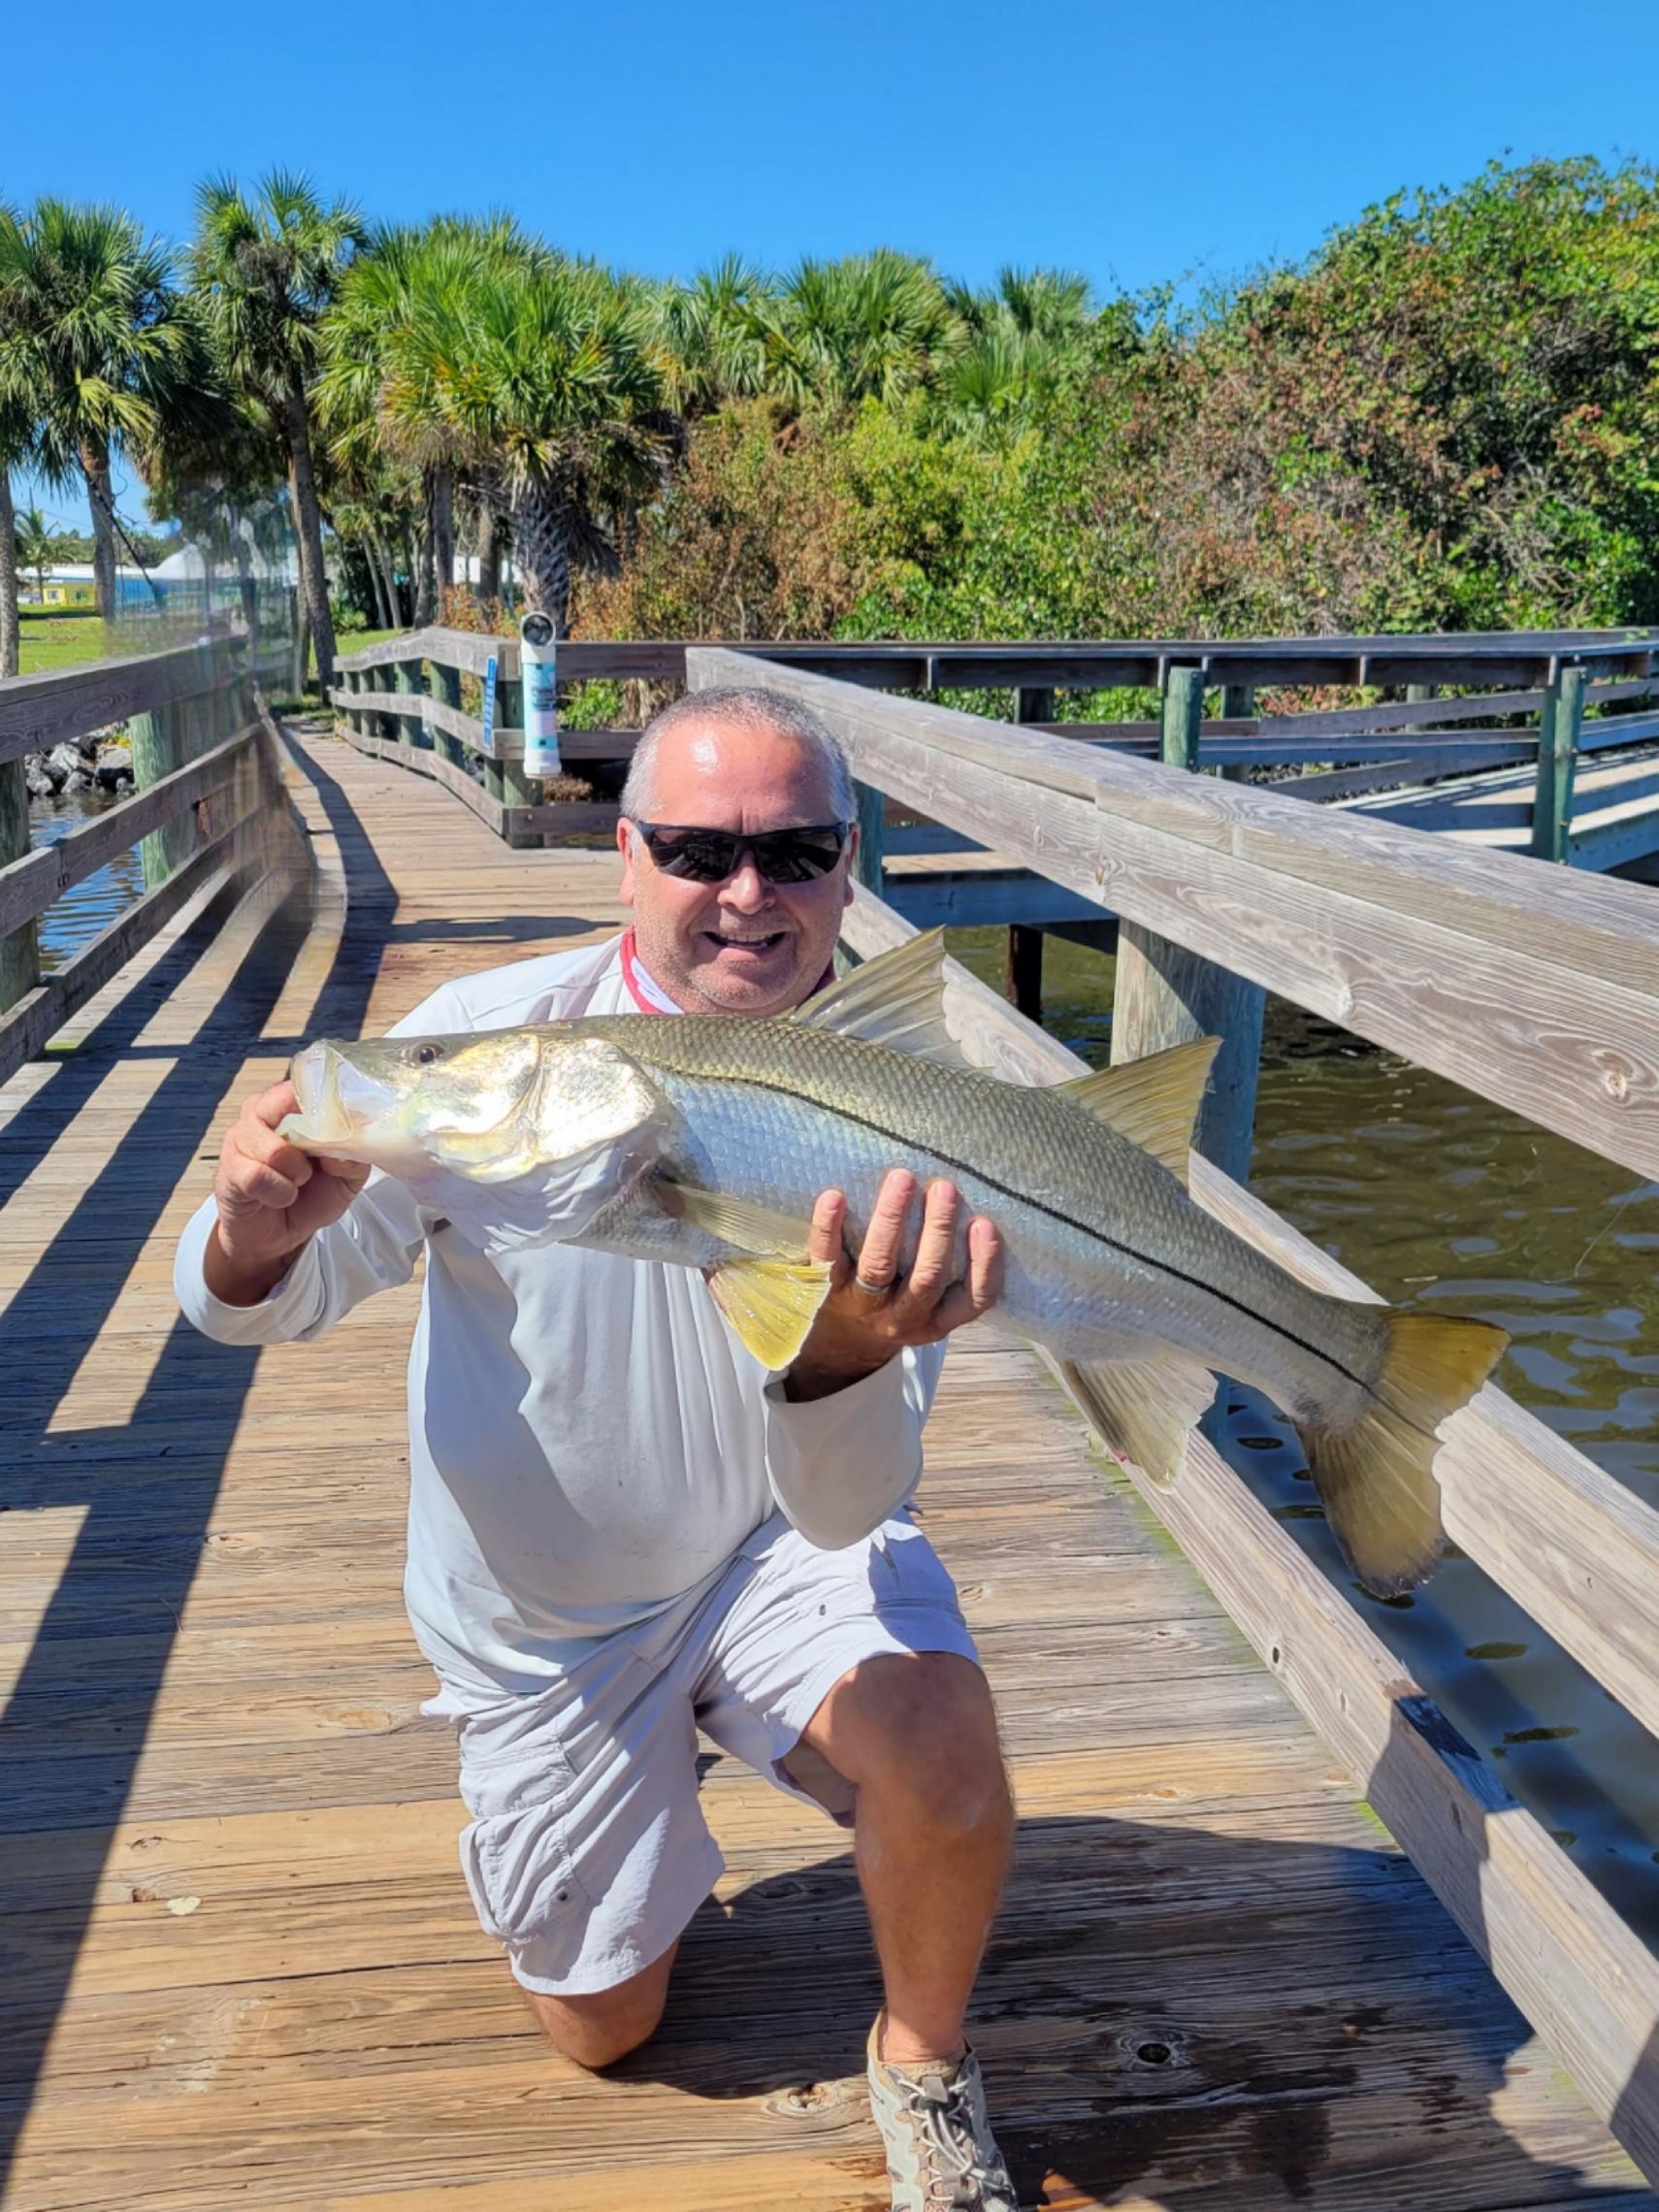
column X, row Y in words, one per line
column 738, row 707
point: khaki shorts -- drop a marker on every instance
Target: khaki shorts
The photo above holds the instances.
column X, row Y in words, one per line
column 587, row 1852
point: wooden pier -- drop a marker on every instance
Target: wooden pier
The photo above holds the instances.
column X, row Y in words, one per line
column 239, row 1963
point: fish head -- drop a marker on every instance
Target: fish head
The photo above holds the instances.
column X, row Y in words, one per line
column 491, row 1106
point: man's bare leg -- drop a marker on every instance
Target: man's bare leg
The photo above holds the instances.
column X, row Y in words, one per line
column 916, row 1735
column 599, row 2029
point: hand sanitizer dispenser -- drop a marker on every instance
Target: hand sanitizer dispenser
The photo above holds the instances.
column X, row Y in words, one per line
column 537, row 657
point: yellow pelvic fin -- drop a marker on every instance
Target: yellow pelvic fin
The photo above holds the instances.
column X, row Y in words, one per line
column 1144, row 1408
column 770, row 1302
column 1153, row 1101
column 896, row 999
column 734, row 1221
column 1376, row 1479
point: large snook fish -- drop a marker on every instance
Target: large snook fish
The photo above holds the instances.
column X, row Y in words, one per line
column 704, row 1141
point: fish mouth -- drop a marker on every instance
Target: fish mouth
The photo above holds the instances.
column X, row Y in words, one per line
column 321, row 1077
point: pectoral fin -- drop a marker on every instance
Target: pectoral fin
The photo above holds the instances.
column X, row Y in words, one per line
column 1153, row 1101
column 770, row 1302
column 1144, row 1408
column 734, row 1221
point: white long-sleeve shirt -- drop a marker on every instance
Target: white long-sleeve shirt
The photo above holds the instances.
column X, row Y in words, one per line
column 589, row 1442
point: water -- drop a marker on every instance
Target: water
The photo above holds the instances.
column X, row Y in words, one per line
column 76, row 918
column 1439, row 1199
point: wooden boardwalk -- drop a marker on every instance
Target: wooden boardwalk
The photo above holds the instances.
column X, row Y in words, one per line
column 1615, row 805
column 238, row 1964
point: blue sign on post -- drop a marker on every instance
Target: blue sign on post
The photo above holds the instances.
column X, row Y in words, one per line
column 487, row 742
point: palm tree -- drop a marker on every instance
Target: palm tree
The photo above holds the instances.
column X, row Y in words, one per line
column 1023, row 342
column 872, row 325
column 19, row 417
column 376, row 394
column 542, row 379
column 92, row 328
column 712, row 335
column 33, row 534
column 267, row 269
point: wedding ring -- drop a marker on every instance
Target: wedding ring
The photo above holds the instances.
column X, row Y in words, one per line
column 872, row 1289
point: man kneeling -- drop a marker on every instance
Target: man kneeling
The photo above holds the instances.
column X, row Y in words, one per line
column 622, row 1528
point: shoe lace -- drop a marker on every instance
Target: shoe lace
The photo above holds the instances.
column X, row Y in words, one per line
column 958, row 2177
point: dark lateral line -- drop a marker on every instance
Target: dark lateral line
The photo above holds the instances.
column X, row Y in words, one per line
column 1024, row 1198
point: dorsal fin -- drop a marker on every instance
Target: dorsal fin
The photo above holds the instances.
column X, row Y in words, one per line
column 896, row 999
column 1153, row 1101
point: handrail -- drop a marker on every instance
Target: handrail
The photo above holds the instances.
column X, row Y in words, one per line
column 1538, row 987
column 30, row 885
column 192, row 732
column 1521, row 657
column 1573, row 1547
column 388, row 706
column 38, row 712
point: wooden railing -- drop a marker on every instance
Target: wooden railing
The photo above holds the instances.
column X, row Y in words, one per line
column 193, row 728
column 401, row 700
column 1534, row 986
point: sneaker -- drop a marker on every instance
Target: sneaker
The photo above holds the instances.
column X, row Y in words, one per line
column 941, row 2156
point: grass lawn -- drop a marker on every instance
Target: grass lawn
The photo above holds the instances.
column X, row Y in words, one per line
column 66, row 643
column 71, row 642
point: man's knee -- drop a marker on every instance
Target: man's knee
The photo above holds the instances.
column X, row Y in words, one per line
column 597, row 2030
column 921, row 1729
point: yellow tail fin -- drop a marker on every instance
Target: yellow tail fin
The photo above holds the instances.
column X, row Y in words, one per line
column 1376, row 1479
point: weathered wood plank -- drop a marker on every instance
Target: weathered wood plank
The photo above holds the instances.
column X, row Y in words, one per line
column 329, row 2027
column 44, row 1010
column 38, row 712
column 454, row 780
column 1166, row 995
column 1589, row 1985
column 1533, row 987
column 28, row 887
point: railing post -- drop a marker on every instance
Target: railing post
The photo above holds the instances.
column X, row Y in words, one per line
column 387, row 727
column 406, row 678
column 1182, row 718
column 1237, row 705
column 1166, row 995
column 512, row 786
column 1558, row 727
column 1022, row 986
column 872, row 832
column 19, row 952
column 446, row 686
column 1034, row 702
column 160, row 741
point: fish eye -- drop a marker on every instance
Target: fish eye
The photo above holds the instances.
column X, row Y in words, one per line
column 424, row 1055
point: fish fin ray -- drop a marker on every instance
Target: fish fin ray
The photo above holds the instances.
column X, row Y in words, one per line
column 735, row 1221
column 1144, row 1408
column 1153, row 1101
column 1375, row 1478
column 770, row 1302
column 898, row 999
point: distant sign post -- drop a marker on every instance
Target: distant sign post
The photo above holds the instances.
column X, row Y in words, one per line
column 487, row 741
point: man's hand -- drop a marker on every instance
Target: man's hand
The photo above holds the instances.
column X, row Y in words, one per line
column 870, row 1312
column 272, row 1198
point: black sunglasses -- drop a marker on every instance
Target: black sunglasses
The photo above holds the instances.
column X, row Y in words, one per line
column 710, row 856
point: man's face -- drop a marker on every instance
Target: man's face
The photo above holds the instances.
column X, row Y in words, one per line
column 742, row 946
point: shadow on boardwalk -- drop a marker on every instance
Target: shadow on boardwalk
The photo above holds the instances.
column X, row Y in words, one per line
column 67, row 1756
column 1164, row 2012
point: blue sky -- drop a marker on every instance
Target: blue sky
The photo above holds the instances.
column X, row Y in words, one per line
column 1187, row 142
